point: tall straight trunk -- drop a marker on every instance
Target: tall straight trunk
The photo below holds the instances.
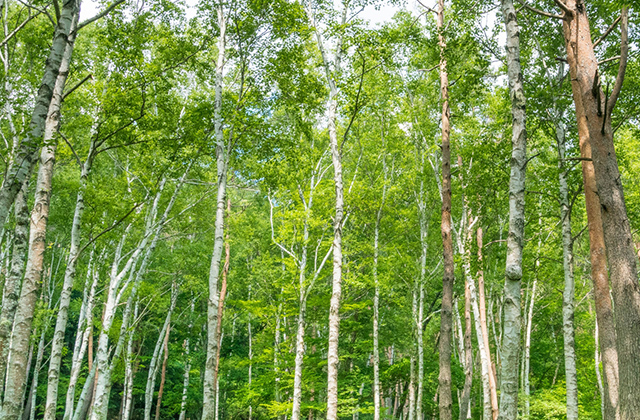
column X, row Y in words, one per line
column 599, row 272
column 515, row 242
column 29, row 412
column 527, row 351
column 411, row 397
column 16, row 370
column 482, row 315
column 250, row 334
column 83, row 332
column 597, row 109
column 187, row 365
column 69, row 277
column 26, row 155
column 129, row 371
column 571, row 374
column 223, row 294
column 468, row 356
column 29, row 364
column 420, row 317
column 153, row 365
column 14, row 279
column 209, row 385
column 332, row 69
column 377, row 396
column 444, row 378
column 163, row 371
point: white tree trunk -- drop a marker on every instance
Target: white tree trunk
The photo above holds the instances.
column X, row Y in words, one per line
column 571, row 374
column 336, row 157
column 14, row 279
column 527, row 351
column 187, row 366
column 154, row 367
column 127, row 393
column 512, row 316
column 209, row 384
column 85, row 325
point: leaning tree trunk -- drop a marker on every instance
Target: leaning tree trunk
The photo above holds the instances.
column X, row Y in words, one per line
column 12, row 284
column 209, row 385
column 444, row 378
column 26, row 155
column 571, row 374
column 69, row 276
column 513, row 273
column 597, row 109
column 17, row 368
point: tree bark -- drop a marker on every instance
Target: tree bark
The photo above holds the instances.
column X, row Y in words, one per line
column 187, row 365
column 209, row 385
column 14, row 279
column 129, row 371
column 16, row 370
column 468, row 356
column 512, row 321
column 163, row 371
column 153, row 365
column 69, row 277
column 584, row 65
column 571, row 375
column 83, row 332
column 27, row 154
column 444, row 378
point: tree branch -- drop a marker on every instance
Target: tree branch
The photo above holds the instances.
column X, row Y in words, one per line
column 564, row 7
column 70, row 91
column 607, row 32
column 624, row 56
column 99, row 15
column 15, row 31
column 538, row 11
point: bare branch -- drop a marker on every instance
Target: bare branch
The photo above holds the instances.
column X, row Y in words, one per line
column 538, row 11
column 624, row 56
column 607, row 32
column 70, row 91
column 22, row 25
column 100, row 15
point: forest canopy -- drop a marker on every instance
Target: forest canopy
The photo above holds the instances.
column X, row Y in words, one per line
column 319, row 209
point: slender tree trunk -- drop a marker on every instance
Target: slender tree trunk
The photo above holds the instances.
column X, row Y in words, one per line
column 153, row 365
column 30, row 409
column 27, row 154
column 597, row 108
column 527, row 351
column 444, row 377
column 571, row 375
column 69, row 277
column 16, row 370
column 468, row 356
column 336, row 158
column 83, row 332
column 485, row 333
column 14, row 279
column 250, row 333
column 187, row 365
column 209, row 385
column 163, row 371
column 129, row 371
column 512, row 321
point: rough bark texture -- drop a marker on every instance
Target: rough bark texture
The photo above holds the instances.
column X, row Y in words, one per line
column 444, row 378
column 590, row 98
column 17, row 366
column 14, row 279
column 512, row 321
column 65, row 296
column 27, row 154
column 209, row 385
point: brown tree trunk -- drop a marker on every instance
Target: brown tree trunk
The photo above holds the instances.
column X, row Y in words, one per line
column 163, row 372
column 595, row 107
column 444, row 377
